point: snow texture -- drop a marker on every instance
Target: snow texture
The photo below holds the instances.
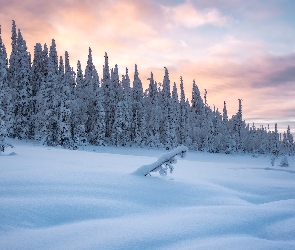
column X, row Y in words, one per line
column 55, row 198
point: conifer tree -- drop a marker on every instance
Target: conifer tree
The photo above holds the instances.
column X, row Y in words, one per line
column 13, row 60
column 5, row 94
column 116, row 93
column 167, row 128
column 153, row 115
column 38, row 76
column 78, row 105
column 184, row 118
column 47, row 103
column 53, row 55
column 38, row 73
column 174, row 117
column 287, row 142
column 78, row 123
column 69, row 80
column 121, row 133
column 138, row 132
column 98, row 129
column 224, row 116
column 108, row 97
column 92, row 103
column 23, row 104
column 3, row 132
column 197, row 120
column 65, row 100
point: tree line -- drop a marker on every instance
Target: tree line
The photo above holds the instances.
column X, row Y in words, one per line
column 44, row 99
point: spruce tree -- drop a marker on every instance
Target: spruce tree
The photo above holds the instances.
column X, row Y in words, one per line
column 153, row 115
column 6, row 103
column 184, row 117
column 23, row 104
column 3, row 132
column 80, row 138
column 108, row 97
column 91, row 97
column 47, row 102
column 98, row 129
column 38, row 76
column 53, row 55
column 168, row 127
column 121, row 133
column 13, row 60
column 65, row 100
column 138, row 132
column 197, row 120
column 175, row 117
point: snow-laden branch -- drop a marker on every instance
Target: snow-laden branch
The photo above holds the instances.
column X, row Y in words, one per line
column 163, row 163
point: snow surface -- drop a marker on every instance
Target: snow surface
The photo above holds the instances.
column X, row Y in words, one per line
column 53, row 198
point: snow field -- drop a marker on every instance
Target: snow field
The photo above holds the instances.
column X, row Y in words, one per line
column 53, row 198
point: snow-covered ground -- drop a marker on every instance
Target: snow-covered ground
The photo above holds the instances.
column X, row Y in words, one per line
column 53, row 198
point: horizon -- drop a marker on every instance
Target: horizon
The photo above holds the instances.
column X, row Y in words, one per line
column 210, row 45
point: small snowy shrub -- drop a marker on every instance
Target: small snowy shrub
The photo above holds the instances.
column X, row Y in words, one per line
column 163, row 163
column 284, row 162
column 272, row 160
column 3, row 133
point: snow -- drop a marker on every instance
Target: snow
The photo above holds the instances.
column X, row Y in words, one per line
column 53, row 198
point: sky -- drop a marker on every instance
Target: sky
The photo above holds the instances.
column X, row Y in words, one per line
column 232, row 48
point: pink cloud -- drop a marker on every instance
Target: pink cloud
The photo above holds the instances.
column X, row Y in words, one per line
column 188, row 16
column 136, row 32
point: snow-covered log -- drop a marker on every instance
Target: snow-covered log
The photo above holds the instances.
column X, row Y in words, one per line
column 163, row 163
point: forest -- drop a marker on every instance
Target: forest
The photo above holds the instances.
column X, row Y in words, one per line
column 42, row 98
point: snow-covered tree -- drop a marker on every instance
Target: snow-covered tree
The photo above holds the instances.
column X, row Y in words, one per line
column 108, row 97
column 64, row 100
column 168, row 127
column 3, row 132
column 47, row 104
column 53, row 55
column 121, row 131
column 184, row 126
column 153, row 115
column 64, row 126
column 23, row 103
column 6, row 103
column 79, row 111
column 13, row 60
column 138, row 131
column 197, row 120
column 38, row 72
column 98, row 127
column 93, row 114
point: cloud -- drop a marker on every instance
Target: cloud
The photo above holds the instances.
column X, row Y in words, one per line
column 230, row 62
column 188, row 16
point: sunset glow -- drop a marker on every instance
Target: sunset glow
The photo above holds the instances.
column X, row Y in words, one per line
column 234, row 49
